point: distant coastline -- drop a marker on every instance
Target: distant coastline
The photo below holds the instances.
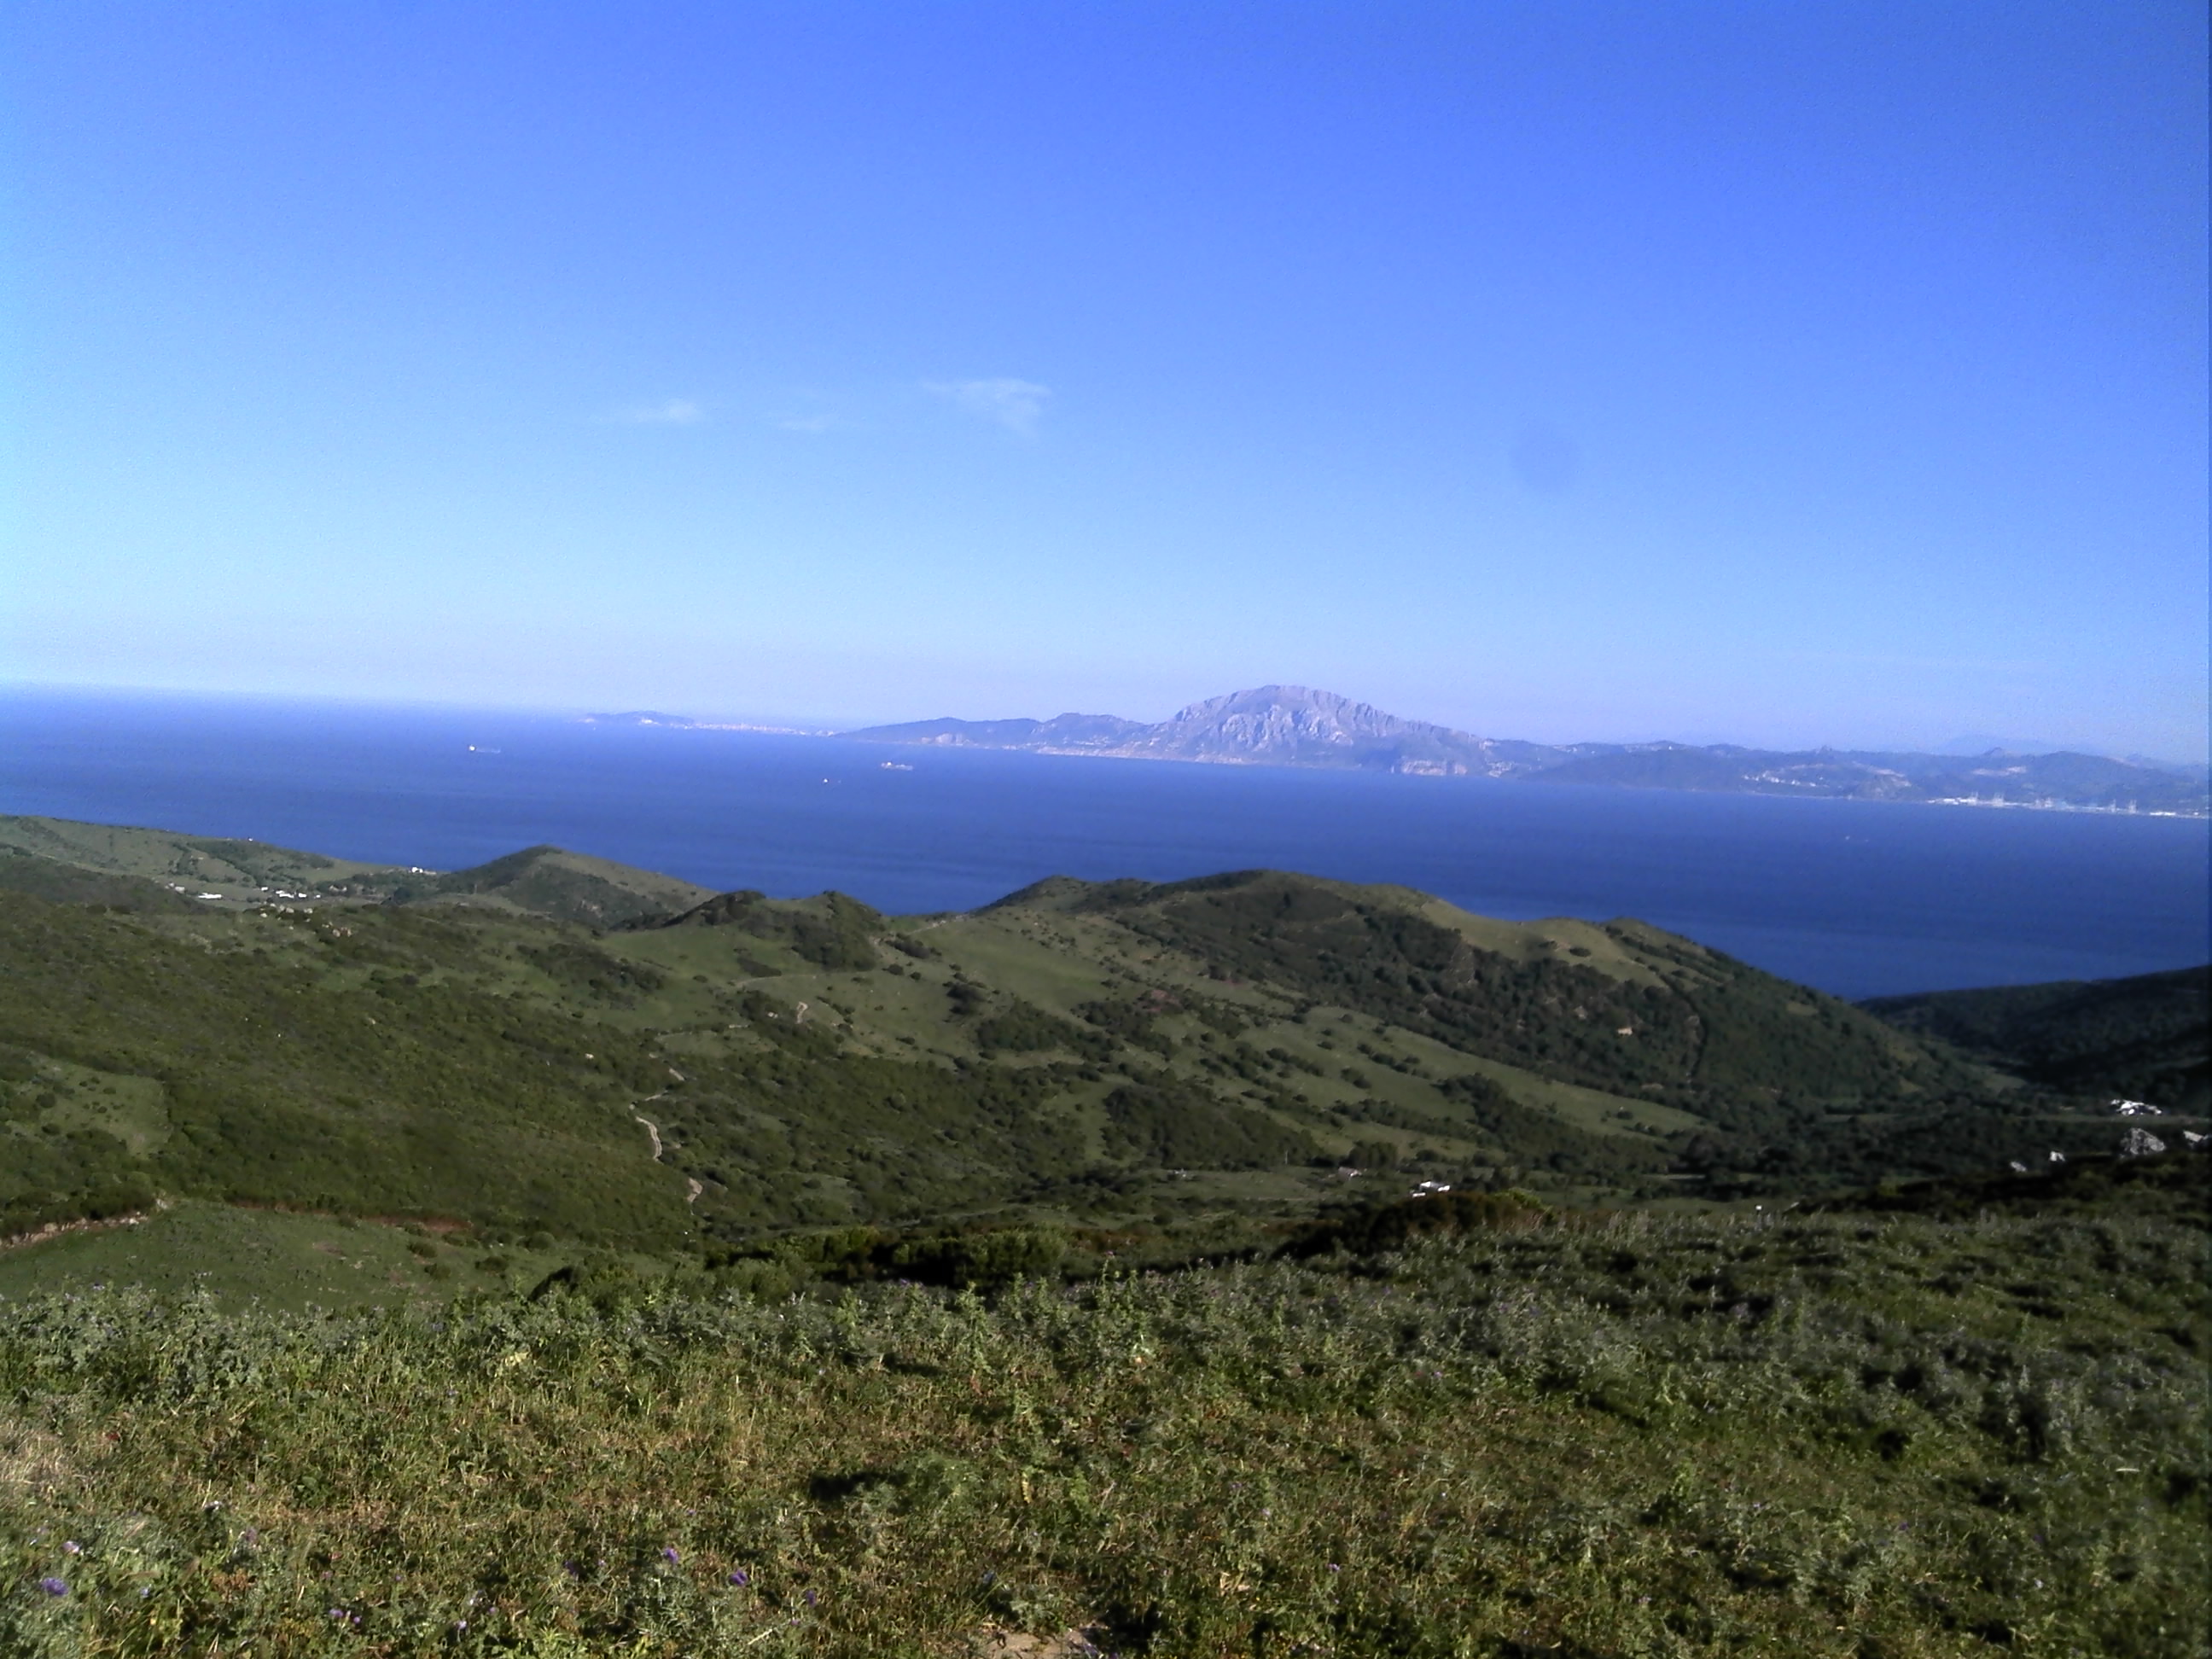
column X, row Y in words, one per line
column 1296, row 725
column 686, row 723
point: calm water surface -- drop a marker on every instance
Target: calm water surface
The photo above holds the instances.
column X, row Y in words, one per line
column 1858, row 898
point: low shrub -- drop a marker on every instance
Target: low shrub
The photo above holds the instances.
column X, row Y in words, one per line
column 1629, row 1435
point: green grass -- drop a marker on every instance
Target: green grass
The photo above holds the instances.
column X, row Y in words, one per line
column 245, row 1258
column 1845, row 1434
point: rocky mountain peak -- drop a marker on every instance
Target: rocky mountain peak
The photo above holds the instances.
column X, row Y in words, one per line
column 1273, row 716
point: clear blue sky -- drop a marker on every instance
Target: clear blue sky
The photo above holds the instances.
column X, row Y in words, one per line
column 1778, row 372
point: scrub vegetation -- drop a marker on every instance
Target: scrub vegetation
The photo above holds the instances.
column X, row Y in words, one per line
column 1532, row 1431
column 697, row 1072
column 429, row 1266
column 2142, row 1037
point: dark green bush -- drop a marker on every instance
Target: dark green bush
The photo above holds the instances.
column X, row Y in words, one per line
column 1182, row 1129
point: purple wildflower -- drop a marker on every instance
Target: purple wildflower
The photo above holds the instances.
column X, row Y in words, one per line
column 812, row 1598
column 53, row 1586
column 739, row 1577
column 670, row 1556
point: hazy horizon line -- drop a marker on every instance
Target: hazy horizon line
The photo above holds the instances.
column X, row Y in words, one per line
column 795, row 724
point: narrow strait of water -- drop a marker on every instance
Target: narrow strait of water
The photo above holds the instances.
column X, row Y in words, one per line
column 1858, row 898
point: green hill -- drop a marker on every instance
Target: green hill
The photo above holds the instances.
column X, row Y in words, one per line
column 223, row 866
column 2148, row 1037
column 58, row 883
column 552, row 882
column 127, row 868
column 1120, row 1055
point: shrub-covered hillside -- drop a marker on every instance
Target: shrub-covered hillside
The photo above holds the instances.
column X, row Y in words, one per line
column 1123, row 1055
column 2149, row 1037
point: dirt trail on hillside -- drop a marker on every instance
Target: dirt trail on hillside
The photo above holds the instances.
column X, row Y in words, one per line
column 653, row 1134
column 652, row 1129
column 40, row 1235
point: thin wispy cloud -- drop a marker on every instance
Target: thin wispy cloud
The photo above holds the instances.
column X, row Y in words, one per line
column 1017, row 405
column 812, row 413
column 676, row 412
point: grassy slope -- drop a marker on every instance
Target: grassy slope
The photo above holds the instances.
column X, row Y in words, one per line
column 382, row 1063
column 159, row 855
column 58, row 883
column 241, row 1257
column 1839, row 1434
column 1118, row 1053
column 2149, row 1037
column 546, row 881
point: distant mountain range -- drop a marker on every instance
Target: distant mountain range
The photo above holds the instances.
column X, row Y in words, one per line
column 1274, row 726
column 1293, row 725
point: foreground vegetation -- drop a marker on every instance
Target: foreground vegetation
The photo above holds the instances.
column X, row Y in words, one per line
column 1843, row 1433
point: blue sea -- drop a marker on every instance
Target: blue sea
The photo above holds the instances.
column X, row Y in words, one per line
column 1858, row 898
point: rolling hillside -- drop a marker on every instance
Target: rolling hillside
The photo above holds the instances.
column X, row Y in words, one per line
column 2148, row 1037
column 1111, row 1054
column 126, row 868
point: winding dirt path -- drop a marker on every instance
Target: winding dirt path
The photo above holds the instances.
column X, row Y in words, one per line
column 652, row 1130
column 653, row 1134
